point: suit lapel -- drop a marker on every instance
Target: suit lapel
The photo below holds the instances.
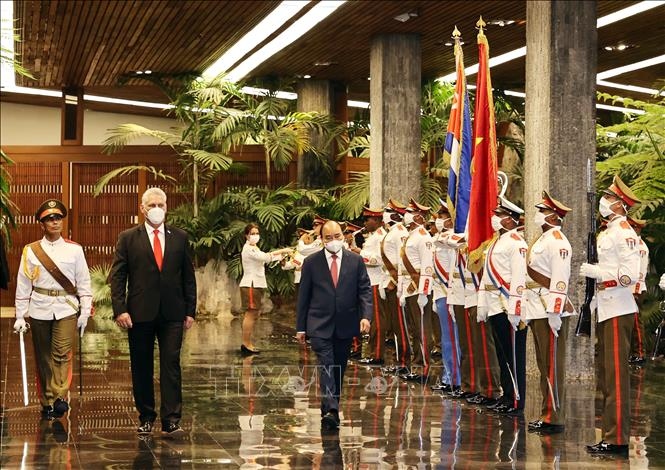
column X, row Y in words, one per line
column 345, row 267
column 324, row 269
column 168, row 244
column 145, row 243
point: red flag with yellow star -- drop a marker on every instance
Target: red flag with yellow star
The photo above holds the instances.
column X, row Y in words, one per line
column 484, row 190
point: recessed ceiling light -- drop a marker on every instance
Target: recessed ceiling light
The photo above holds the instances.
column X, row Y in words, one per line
column 369, row 78
column 404, row 17
column 619, row 47
column 323, row 64
column 147, row 72
column 307, row 76
column 501, row 23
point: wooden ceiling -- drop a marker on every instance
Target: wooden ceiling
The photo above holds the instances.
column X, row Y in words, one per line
column 94, row 43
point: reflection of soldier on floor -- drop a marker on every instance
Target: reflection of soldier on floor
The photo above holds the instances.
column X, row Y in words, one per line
column 51, row 449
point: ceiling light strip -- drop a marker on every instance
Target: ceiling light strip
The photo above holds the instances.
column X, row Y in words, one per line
column 7, row 75
column 271, row 23
column 318, row 13
column 630, row 67
column 620, row 109
column 636, row 89
column 521, row 52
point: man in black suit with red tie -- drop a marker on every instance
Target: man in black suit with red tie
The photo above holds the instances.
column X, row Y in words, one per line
column 153, row 289
column 334, row 305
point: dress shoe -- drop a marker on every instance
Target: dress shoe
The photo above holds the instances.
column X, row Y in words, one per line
column 172, row 430
column 47, row 412
column 460, row 394
column 436, row 354
column 474, row 399
column 145, row 428
column 369, row 361
column 605, row 448
column 60, row 407
column 412, row 377
column 245, row 351
column 499, row 402
column 488, row 402
column 509, row 411
column 330, row 421
column 635, row 359
column 542, row 427
column 441, row 387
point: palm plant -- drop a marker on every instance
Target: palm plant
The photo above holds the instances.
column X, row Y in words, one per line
column 284, row 134
column 200, row 156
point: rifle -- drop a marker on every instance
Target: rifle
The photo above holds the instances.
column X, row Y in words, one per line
column 584, row 320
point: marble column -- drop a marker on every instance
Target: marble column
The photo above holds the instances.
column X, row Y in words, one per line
column 560, row 133
column 395, row 62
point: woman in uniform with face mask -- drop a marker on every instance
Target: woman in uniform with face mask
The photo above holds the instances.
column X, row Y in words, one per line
column 253, row 283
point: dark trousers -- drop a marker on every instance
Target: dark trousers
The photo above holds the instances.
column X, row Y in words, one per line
column 332, row 353
column 141, row 352
column 513, row 366
column 377, row 331
column 419, row 324
column 396, row 328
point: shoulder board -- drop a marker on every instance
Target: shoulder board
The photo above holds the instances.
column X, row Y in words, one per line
column 624, row 224
column 400, row 227
column 514, row 236
column 379, row 231
column 67, row 240
column 557, row 235
column 422, row 231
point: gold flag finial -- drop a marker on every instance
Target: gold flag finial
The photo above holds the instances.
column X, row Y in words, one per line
column 456, row 33
column 480, row 25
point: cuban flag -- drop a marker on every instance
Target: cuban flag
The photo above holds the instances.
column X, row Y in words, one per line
column 458, row 146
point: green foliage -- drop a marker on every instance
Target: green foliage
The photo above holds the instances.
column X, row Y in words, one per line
column 101, row 298
column 436, row 103
column 7, row 207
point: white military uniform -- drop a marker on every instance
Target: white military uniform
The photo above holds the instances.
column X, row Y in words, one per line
column 371, row 255
column 253, row 264
column 69, row 257
column 392, row 244
column 641, row 284
column 444, row 259
column 418, row 250
column 303, row 250
column 504, row 275
column 550, row 255
column 619, row 262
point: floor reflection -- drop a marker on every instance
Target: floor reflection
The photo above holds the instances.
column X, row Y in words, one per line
column 262, row 412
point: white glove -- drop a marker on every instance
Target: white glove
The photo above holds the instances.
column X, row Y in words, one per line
column 481, row 314
column 402, row 300
column 554, row 319
column 382, row 293
column 20, row 326
column 435, row 309
column 590, row 270
column 82, row 322
column 514, row 320
column 661, row 284
column 422, row 300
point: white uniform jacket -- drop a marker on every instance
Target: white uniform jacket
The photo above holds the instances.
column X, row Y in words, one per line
column 418, row 250
column 550, row 255
column 69, row 257
column 444, row 259
column 391, row 246
column 641, row 284
column 504, row 275
column 253, row 266
column 619, row 262
column 371, row 255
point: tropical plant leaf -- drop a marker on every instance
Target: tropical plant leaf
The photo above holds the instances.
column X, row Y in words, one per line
column 126, row 170
column 121, row 135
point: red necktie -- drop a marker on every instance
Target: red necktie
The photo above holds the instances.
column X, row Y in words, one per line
column 157, row 249
column 333, row 270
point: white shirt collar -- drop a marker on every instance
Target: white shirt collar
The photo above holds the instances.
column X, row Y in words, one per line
column 329, row 255
column 149, row 228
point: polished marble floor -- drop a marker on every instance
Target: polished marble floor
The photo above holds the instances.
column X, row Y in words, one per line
column 263, row 412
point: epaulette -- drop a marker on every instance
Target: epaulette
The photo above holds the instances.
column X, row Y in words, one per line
column 514, row 236
column 557, row 235
column 67, row 240
column 422, row 231
column 624, row 224
column 400, row 227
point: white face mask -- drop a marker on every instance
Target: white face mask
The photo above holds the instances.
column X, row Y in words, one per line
column 539, row 219
column 254, row 239
column 496, row 223
column 156, row 215
column 604, row 207
column 386, row 218
column 334, row 246
column 440, row 225
column 408, row 218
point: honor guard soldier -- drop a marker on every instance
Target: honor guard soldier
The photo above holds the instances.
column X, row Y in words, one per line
column 293, row 261
column 500, row 300
column 390, row 247
column 52, row 288
column 308, row 244
column 416, row 269
column 637, row 343
column 546, row 307
column 371, row 255
column 444, row 258
column 350, row 230
column 617, row 272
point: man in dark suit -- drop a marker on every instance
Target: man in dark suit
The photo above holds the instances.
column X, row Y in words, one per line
column 334, row 305
column 154, row 296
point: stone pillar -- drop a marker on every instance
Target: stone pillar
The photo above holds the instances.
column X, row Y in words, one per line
column 315, row 95
column 560, row 133
column 395, row 61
